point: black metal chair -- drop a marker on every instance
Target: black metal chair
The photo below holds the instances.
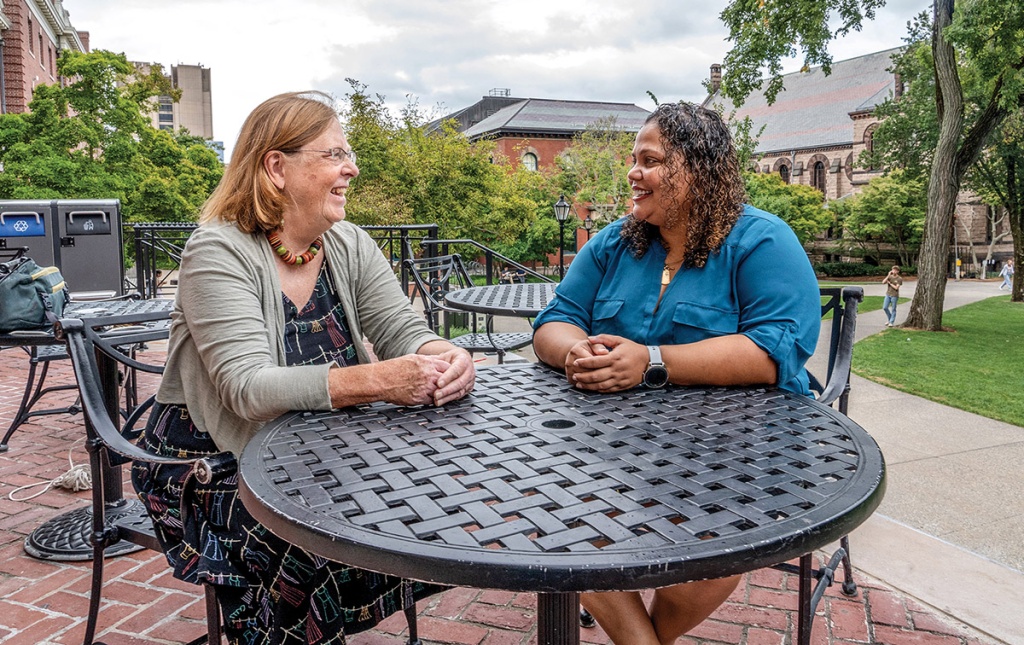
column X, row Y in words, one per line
column 436, row 276
column 842, row 304
column 35, row 388
column 112, row 444
column 103, row 361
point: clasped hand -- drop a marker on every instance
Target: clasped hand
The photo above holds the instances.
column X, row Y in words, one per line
column 606, row 363
column 420, row 379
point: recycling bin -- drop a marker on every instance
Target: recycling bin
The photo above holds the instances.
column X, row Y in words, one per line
column 29, row 223
column 91, row 253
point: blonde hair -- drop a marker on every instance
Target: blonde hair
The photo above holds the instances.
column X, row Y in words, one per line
column 246, row 195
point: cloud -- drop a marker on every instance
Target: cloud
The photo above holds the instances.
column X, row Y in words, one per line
column 446, row 53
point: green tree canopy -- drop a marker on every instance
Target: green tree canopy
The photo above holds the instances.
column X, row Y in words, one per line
column 980, row 40
column 593, row 169
column 414, row 174
column 888, row 217
column 802, row 207
column 91, row 139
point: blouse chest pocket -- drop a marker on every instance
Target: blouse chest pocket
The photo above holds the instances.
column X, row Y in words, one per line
column 692, row 322
column 605, row 309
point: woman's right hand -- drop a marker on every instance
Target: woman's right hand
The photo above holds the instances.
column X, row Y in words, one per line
column 410, row 379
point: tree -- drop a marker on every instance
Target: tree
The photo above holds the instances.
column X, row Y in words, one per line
column 799, row 206
column 594, row 166
column 999, row 178
column 90, row 139
column 410, row 173
column 888, row 214
column 986, row 32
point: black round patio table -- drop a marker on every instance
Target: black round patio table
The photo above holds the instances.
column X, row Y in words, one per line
column 530, row 485
column 524, row 300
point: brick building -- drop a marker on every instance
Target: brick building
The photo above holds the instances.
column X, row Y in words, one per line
column 532, row 132
column 32, row 35
column 818, row 126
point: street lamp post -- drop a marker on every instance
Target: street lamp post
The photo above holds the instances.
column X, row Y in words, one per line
column 588, row 224
column 561, row 212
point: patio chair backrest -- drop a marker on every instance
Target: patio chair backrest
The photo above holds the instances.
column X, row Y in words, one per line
column 842, row 304
column 434, row 278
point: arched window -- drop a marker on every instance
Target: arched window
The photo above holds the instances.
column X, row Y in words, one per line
column 530, row 161
column 784, row 173
column 818, row 176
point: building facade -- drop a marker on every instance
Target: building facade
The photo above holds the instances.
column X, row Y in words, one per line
column 32, row 36
column 194, row 110
column 533, row 132
column 816, row 130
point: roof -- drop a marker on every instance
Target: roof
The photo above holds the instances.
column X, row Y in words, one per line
column 814, row 110
column 552, row 117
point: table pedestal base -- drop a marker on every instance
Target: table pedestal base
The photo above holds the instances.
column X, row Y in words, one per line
column 68, row 537
column 558, row 618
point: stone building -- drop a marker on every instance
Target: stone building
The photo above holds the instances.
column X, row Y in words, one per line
column 32, row 36
column 818, row 126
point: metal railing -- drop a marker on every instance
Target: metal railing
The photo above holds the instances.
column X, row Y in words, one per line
column 158, row 247
column 434, row 247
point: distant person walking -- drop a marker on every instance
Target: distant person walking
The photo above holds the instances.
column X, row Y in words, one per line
column 1007, row 275
column 893, row 282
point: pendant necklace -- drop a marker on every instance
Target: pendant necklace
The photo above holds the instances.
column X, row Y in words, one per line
column 666, row 273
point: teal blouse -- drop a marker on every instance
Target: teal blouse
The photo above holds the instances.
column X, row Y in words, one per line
column 759, row 284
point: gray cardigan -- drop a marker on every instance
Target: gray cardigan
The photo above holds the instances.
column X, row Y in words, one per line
column 226, row 358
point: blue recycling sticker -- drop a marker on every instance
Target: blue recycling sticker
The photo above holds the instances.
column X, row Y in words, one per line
column 22, row 225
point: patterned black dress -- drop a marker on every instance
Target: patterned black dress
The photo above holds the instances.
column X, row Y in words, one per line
column 270, row 591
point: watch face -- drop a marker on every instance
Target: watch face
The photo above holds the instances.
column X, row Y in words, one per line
column 656, row 376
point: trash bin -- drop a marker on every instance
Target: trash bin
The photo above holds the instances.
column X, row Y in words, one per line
column 91, row 253
column 29, row 223
column 81, row 237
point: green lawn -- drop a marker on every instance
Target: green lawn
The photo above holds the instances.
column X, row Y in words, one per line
column 977, row 366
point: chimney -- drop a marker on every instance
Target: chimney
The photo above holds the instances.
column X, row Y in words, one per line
column 716, row 77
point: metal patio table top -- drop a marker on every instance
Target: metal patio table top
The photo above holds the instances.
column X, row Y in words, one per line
column 528, row 484
column 524, row 300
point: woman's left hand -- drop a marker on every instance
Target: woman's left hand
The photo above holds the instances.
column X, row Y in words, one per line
column 620, row 367
column 458, row 380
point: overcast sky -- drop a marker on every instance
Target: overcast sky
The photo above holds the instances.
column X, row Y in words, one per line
column 445, row 53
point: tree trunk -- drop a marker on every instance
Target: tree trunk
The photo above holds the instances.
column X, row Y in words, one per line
column 944, row 183
column 954, row 154
column 1015, row 211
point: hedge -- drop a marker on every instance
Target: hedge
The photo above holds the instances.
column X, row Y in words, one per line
column 856, row 269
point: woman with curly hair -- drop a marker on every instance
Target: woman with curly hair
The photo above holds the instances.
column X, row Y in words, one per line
column 691, row 288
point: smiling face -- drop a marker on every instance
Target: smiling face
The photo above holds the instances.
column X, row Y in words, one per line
column 314, row 185
column 656, row 199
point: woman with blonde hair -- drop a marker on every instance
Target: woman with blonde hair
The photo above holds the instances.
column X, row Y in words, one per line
column 275, row 295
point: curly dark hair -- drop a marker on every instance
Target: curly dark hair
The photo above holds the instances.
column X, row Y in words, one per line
column 697, row 142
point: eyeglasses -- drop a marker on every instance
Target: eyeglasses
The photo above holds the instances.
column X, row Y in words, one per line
column 337, row 155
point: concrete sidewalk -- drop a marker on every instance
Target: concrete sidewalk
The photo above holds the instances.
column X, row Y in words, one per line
column 949, row 531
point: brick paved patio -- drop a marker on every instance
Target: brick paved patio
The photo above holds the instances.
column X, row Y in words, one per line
column 45, row 602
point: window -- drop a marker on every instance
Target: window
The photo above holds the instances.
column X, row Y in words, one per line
column 818, row 176
column 31, row 36
column 530, row 161
column 784, row 173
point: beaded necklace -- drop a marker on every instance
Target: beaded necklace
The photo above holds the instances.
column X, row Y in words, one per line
column 290, row 258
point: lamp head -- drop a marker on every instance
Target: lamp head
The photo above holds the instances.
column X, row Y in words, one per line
column 561, row 208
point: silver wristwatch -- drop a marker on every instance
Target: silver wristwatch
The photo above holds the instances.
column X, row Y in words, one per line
column 656, row 374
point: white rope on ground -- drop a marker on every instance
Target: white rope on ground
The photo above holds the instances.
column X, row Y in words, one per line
column 77, row 478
